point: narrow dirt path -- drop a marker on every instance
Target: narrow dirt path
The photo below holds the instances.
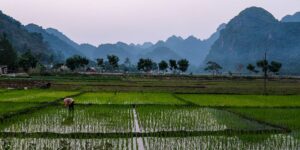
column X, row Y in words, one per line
column 138, row 130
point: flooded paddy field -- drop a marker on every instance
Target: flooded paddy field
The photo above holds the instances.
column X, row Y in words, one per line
column 142, row 121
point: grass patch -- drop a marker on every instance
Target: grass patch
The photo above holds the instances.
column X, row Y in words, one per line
column 34, row 95
column 242, row 100
column 7, row 107
column 128, row 98
column 285, row 117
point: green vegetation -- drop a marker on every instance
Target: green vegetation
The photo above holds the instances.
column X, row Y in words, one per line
column 95, row 98
column 178, row 118
column 278, row 141
column 145, row 65
column 86, row 119
column 2, row 90
column 183, row 65
column 33, row 96
column 76, row 62
column 166, row 83
column 8, row 55
column 27, row 61
column 242, row 100
column 285, row 117
column 69, row 144
column 128, row 98
column 7, row 107
column 109, row 118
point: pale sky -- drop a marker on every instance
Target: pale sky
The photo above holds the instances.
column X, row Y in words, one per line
column 136, row 21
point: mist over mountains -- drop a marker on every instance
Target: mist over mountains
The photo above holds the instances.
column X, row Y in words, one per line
column 241, row 41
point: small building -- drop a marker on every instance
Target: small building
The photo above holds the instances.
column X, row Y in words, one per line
column 3, row 70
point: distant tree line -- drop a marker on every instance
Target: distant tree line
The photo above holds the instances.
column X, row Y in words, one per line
column 266, row 68
column 111, row 64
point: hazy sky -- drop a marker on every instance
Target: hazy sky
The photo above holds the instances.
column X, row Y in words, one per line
column 136, row 21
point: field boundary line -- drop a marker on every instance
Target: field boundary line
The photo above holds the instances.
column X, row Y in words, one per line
column 80, row 135
column 183, row 100
column 124, row 85
column 187, row 103
column 132, row 105
column 284, row 129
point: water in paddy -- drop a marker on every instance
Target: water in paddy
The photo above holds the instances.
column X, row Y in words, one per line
column 84, row 119
column 269, row 142
column 90, row 119
column 68, row 144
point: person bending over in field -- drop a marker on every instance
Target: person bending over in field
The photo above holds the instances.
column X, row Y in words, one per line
column 69, row 103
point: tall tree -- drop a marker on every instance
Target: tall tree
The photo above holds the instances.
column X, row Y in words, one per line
column 8, row 55
column 266, row 68
column 163, row 66
column 275, row 67
column 27, row 61
column 113, row 60
column 264, row 65
column 76, row 61
column 100, row 63
column 213, row 67
column 251, row 68
column 154, row 66
column 183, row 65
column 173, row 65
column 145, row 65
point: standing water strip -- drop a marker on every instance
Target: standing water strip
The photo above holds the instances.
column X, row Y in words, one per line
column 138, row 130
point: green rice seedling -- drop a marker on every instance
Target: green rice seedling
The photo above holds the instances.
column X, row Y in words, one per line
column 176, row 118
column 34, row 95
column 145, row 98
column 242, row 100
column 84, row 119
column 8, row 107
column 274, row 142
column 62, row 143
column 95, row 98
column 284, row 117
column 128, row 98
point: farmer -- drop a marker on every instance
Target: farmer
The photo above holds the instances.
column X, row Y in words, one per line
column 69, row 102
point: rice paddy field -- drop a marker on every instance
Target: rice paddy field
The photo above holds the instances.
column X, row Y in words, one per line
column 119, row 120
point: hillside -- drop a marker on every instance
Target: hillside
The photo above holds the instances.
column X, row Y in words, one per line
column 55, row 43
column 161, row 53
column 254, row 31
column 22, row 40
column 292, row 18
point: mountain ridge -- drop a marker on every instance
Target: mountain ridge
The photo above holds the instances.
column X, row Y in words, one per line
column 250, row 34
column 22, row 40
